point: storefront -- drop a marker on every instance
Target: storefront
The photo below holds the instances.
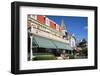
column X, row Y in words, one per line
column 45, row 45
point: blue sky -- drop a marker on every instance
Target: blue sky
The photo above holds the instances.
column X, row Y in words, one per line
column 74, row 24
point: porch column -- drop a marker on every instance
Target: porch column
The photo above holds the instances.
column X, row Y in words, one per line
column 31, row 37
column 31, row 51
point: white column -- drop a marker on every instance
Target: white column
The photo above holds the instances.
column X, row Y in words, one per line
column 31, row 51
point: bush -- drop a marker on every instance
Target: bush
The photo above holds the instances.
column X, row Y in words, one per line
column 44, row 57
column 84, row 52
column 71, row 56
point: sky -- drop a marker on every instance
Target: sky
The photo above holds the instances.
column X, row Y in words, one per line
column 74, row 24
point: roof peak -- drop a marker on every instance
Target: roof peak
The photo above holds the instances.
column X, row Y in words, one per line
column 63, row 25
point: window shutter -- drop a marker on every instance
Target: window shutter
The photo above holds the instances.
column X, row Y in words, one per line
column 41, row 19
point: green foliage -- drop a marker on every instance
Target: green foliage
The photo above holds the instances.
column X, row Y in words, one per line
column 84, row 51
column 83, row 43
column 71, row 56
column 44, row 57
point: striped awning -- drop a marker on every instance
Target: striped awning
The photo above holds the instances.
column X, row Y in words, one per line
column 61, row 45
column 43, row 42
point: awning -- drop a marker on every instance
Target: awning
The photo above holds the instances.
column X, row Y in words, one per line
column 61, row 45
column 43, row 42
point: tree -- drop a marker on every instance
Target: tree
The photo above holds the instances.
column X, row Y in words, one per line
column 83, row 45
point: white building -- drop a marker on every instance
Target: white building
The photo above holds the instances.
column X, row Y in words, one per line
column 46, row 34
column 72, row 42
